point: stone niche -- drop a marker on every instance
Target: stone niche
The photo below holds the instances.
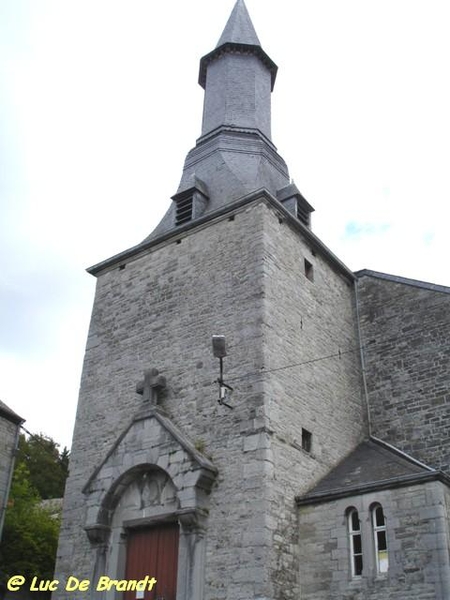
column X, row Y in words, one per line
column 152, row 475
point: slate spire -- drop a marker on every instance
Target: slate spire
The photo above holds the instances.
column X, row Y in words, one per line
column 239, row 28
column 234, row 156
column 238, row 78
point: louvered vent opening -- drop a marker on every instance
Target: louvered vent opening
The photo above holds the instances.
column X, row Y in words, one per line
column 302, row 214
column 184, row 211
column 291, row 198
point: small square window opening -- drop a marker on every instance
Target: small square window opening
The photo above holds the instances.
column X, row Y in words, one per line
column 306, row 440
column 309, row 271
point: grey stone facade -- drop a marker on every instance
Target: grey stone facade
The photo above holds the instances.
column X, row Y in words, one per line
column 9, row 435
column 417, row 538
column 405, row 328
column 414, row 501
column 260, row 490
column 256, row 449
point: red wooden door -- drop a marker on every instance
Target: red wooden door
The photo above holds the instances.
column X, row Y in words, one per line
column 154, row 552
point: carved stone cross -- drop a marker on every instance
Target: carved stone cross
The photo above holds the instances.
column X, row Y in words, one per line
column 150, row 387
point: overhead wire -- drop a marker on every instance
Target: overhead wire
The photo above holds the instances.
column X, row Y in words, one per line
column 360, row 348
column 37, row 439
column 264, row 371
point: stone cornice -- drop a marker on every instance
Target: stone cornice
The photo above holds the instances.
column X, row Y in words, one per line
column 10, row 415
column 180, row 232
column 377, row 486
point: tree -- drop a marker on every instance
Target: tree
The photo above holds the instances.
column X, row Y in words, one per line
column 30, row 534
column 48, row 468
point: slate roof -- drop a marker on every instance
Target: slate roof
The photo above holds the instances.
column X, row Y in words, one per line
column 239, row 28
column 9, row 414
column 239, row 34
column 373, row 465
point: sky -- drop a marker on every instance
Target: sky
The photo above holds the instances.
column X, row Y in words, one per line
column 99, row 105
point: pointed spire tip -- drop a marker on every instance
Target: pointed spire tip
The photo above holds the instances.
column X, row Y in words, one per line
column 239, row 28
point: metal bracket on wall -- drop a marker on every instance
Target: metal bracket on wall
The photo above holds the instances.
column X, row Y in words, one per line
column 219, row 351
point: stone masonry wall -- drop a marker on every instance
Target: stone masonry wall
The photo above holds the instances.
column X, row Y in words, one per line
column 308, row 320
column 417, row 539
column 160, row 310
column 405, row 332
column 242, row 276
column 8, row 432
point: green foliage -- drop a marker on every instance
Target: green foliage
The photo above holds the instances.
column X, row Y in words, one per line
column 30, row 533
column 48, row 467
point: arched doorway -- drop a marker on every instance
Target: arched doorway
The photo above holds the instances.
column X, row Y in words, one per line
column 152, row 477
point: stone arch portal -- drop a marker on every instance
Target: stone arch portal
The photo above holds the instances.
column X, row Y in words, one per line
column 152, row 477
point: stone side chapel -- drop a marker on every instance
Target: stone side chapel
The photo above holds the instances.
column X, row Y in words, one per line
column 329, row 477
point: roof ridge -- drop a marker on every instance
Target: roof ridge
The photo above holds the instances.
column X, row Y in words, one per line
column 404, row 280
column 400, row 453
column 372, row 464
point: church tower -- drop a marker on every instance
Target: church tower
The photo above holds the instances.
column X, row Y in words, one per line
column 174, row 475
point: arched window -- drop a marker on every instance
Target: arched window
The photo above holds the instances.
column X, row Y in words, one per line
column 355, row 540
column 379, row 538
